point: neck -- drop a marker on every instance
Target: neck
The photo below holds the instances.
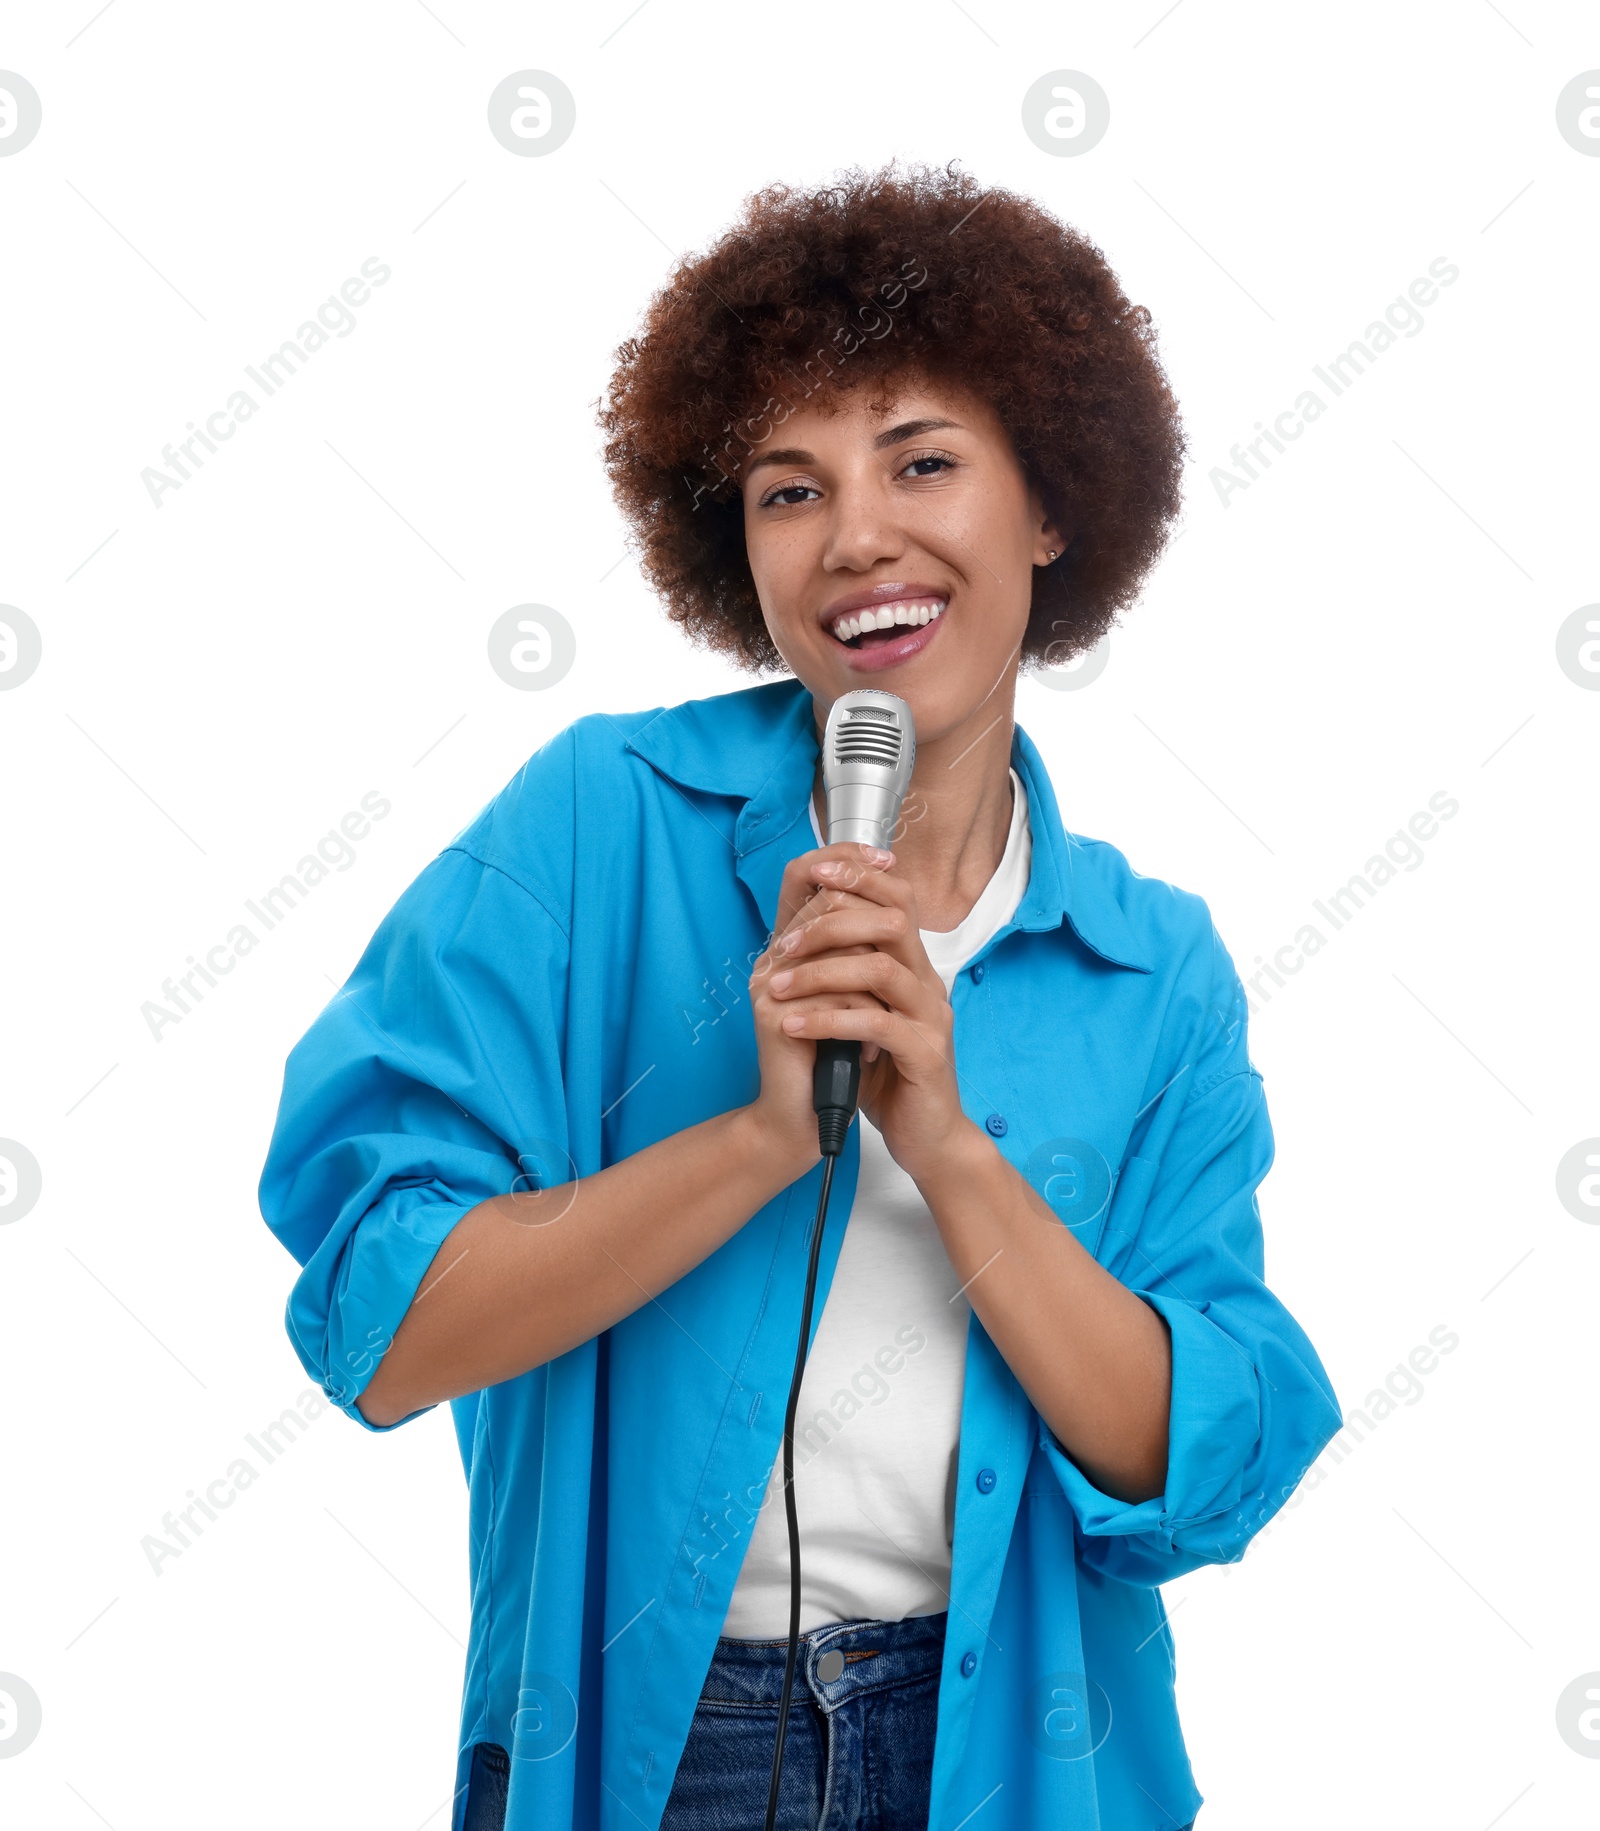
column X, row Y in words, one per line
column 956, row 817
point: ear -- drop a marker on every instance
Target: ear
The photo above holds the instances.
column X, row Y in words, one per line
column 1048, row 541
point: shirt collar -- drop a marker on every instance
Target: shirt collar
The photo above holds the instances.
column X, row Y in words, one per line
column 759, row 746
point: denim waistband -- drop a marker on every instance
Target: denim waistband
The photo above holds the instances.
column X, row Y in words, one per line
column 875, row 1654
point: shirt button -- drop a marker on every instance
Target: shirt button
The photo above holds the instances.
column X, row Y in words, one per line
column 996, row 1124
column 977, row 974
column 969, row 1664
column 986, row 1481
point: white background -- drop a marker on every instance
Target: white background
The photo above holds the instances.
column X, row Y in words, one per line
column 1370, row 622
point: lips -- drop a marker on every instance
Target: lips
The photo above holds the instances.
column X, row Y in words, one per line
column 885, row 624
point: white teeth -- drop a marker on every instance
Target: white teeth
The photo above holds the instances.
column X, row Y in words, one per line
column 912, row 614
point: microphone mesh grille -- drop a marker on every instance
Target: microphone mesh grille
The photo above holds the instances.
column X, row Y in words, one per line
column 868, row 741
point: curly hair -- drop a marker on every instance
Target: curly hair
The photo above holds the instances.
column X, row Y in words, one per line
column 876, row 275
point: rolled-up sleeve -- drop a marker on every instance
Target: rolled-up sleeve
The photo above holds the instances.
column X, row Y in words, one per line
column 430, row 1083
column 1251, row 1405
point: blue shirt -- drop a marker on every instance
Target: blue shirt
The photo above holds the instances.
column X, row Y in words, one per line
column 565, row 984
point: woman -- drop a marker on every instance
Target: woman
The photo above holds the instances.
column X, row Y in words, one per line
column 551, row 1155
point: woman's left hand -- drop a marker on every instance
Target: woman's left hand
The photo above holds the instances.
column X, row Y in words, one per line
column 908, row 1075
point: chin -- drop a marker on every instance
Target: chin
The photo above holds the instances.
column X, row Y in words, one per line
column 944, row 701
column 945, row 685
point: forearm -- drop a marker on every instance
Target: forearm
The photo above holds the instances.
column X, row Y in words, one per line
column 1094, row 1358
column 510, row 1289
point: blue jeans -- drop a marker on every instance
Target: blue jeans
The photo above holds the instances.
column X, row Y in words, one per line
column 488, row 1781
column 859, row 1753
column 860, row 1746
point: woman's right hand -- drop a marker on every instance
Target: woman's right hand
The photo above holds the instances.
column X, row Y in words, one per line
column 782, row 1110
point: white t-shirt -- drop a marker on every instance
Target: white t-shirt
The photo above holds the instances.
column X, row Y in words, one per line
column 879, row 1419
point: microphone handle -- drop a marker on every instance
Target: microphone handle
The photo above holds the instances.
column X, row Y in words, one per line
column 835, row 1088
column 868, row 815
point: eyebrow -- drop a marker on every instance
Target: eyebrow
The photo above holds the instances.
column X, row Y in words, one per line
column 896, row 435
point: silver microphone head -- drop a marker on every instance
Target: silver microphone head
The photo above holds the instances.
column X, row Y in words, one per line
column 868, row 751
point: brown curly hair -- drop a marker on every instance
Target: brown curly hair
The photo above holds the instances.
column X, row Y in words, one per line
column 879, row 274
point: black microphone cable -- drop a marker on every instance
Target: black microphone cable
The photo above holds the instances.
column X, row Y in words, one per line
column 835, row 1086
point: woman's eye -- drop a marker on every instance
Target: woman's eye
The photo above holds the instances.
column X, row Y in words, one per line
column 935, row 464
column 787, row 495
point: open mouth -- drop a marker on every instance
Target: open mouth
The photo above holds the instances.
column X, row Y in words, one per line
column 877, row 627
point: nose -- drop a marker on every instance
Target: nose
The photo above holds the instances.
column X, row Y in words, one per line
column 862, row 529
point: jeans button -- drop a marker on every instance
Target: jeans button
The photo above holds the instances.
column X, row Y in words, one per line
column 830, row 1668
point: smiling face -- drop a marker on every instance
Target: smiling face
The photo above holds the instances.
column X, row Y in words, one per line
column 892, row 537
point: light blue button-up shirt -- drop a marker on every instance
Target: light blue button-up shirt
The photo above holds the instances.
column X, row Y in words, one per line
column 565, row 984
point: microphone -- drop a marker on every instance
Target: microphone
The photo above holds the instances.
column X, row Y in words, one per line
column 868, row 751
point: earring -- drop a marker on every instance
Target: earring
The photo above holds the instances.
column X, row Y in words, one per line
column 1052, row 552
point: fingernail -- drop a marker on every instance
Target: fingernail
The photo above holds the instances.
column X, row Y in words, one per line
column 795, row 1021
column 789, row 942
column 782, row 981
column 876, row 855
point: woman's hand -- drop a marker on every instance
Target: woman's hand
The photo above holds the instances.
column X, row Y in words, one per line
column 783, row 1109
column 848, row 962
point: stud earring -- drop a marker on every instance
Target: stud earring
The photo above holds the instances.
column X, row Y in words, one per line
column 1052, row 552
